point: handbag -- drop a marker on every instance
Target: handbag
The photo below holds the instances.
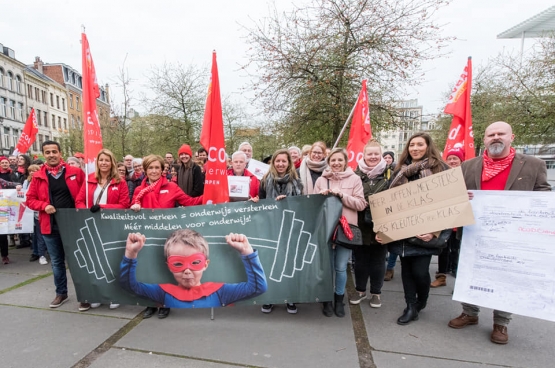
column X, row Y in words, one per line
column 347, row 235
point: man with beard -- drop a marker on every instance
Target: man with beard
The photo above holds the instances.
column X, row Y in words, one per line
column 500, row 168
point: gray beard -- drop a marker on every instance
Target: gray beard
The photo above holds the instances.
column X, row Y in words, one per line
column 495, row 149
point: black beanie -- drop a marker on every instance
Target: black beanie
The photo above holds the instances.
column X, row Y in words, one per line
column 389, row 153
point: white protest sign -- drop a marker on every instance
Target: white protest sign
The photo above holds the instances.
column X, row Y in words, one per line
column 15, row 217
column 507, row 258
column 258, row 168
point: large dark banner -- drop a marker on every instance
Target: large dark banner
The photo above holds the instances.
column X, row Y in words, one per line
column 291, row 238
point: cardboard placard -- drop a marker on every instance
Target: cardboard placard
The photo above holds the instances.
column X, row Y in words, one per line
column 427, row 205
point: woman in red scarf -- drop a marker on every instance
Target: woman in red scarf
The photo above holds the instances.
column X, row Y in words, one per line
column 157, row 192
column 104, row 188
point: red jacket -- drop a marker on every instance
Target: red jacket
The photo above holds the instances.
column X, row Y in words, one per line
column 255, row 184
column 38, row 195
column 118, row 194
column 167, row 196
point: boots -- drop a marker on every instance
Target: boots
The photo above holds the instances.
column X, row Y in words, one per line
column 339, row 309
column 388, row 275
column 409, row 314
column 439, row 281
column 328, row 309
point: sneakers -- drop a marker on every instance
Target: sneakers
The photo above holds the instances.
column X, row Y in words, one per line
column 114, row 305
column 358, row 298
column 499, row 334
column 58, row 300
column 375, row 301
column 5, row 260
column 43, row 260
column 462, row 321
column 33, row 258
column 291, row 308
column 95, row 305
column 83, row 307
column 267, row 308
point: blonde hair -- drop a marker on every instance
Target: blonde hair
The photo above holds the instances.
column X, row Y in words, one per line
column 33, row 168
column 114, row 168
column 148, row 160
column 290, row 169
column 372, row 143
column 343, row 151
column 186, row 237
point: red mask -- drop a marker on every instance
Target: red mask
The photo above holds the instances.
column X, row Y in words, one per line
column 195, row 262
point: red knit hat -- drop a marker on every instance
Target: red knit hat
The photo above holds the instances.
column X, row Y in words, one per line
column 79, row 155
column 456, row 152
column 185, row 149
column 3, row 158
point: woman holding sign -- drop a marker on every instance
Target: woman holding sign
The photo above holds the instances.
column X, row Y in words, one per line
column 156, row 191
column 375, row 173
column 341, row 181
column 419, row 159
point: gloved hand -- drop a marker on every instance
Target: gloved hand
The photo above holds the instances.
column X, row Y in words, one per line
column 95, row 208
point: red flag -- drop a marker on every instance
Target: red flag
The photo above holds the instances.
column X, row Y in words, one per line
column 212, row 139
column 361, row 131
column 28, row 135
column 92, row 135
column 460, row 134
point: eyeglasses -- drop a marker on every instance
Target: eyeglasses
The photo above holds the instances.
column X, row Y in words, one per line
column 195, row 262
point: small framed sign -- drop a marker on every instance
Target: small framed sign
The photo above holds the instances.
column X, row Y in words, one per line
column 238, row 187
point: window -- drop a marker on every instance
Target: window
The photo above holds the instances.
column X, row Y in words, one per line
column 41, row 140
column 65, row 123
column 2, row 106
column 47, row 137
column 18, row 84
column 6, row 140
column 1, row 77
column 59, row 122
column 37, row 94
column 15, row 137
column 52, row 99
column 39, row 119
column 58, row 102
column 43, row 97
column 77, row 103
column 63, row 104
column 53, row 121
column 20, row 111
column 10, row 81
column 46, row 119
column 71, row 100
column 29, row 91
column 12, row 109
column 35, row 146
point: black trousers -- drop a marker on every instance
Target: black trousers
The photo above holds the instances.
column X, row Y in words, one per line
column 415, row 273
column 370, row 263
column 4, row 245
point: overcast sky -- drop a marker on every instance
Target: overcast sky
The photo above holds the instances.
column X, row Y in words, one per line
column 153, row 32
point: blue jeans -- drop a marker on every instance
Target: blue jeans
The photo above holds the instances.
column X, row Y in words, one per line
column 391, row 260
column 339, row 258
column 57, row 259
column 39, row 247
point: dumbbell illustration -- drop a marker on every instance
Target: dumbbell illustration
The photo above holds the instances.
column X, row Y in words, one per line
column 292, row 248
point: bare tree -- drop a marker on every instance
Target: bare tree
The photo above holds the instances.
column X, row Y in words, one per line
column 310, row 61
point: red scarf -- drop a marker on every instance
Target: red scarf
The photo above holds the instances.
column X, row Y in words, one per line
column 7, row 171
column 21, row 170
column 54, row 170
column 136, row 175
column 493, row 167
column 150, row 188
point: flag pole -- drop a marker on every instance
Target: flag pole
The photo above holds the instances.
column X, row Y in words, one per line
column 345, row 125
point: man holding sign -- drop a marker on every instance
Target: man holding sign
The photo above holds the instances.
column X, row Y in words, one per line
column 500, row 168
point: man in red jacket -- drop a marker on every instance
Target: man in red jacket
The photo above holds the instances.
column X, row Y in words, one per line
column 54, row 186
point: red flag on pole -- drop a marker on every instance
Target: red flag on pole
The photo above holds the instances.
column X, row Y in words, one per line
column 28, row 135
column 361, row 131
column 92, row 135
column 212, row 139
column 460, row 134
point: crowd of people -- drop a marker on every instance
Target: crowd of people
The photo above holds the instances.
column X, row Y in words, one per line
column 164, row 182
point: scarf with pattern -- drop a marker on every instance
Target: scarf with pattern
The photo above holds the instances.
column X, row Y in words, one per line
column 493, row 167
column 420, row 168
column 54, row 170
column 304, row 173
column 281, row 186
column 150, row 188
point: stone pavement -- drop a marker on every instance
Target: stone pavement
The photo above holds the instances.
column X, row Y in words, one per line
column 34, row 335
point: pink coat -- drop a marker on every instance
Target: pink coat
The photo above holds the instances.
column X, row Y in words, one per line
column 350, row 186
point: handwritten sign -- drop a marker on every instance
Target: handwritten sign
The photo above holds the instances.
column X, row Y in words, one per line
column 423, row 206
column 506, row 258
